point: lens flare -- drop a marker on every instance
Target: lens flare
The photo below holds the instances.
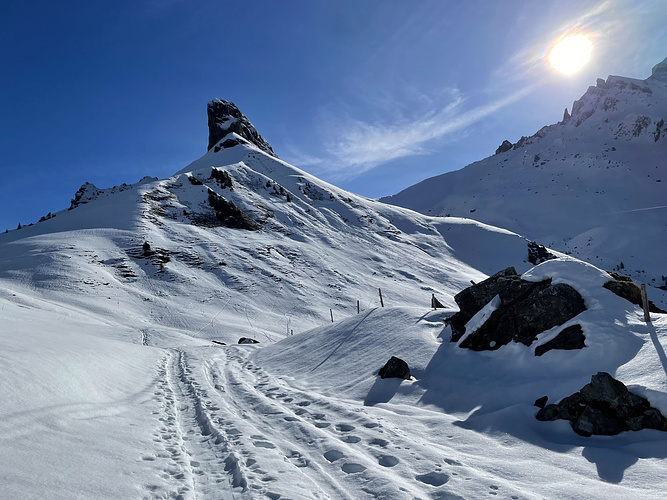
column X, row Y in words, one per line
column 570, row 54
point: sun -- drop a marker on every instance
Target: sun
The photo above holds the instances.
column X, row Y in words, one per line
column 570, row 54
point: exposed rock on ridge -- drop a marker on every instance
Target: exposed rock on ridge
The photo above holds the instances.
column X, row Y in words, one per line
column 224, row 118
column 524, row 309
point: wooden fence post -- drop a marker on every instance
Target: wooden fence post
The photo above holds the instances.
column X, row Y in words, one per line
column 381, row 301
column 331, row 312
column 358, row 306
column 647, row 315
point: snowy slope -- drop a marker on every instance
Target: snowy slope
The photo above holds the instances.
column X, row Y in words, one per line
column 593, row 185
column 110, row 386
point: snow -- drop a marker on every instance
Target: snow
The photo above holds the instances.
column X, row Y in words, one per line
column 111, row 386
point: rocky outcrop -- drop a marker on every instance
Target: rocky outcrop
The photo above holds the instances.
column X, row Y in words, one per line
column 626, row 288
column 525, row 310
column 229, row 215
column 225, row 118
column 538, row 253
column 395, row 368
column 605, row 407
column 474, row 298
column 504, row 147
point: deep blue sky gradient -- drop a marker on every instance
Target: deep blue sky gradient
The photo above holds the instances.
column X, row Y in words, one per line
column 373, row 96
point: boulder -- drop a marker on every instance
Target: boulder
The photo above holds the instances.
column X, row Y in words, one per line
column 395, row 368
column 474, row 298
column 247, row 340
column 605, row 406
column 569, row 338
column 526, row 310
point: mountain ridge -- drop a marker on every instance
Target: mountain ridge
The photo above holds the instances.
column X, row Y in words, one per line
column 592, row 185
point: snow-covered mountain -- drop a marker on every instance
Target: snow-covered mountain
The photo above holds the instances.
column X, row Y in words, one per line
column 111, row 385
column 593, row 185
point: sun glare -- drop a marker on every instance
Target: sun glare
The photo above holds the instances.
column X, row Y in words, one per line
column 571, row 54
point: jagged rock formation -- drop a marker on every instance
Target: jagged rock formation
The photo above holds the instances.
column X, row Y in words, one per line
column 524, row 309
column 605, row 407
column 504, row 147
column 224, row 118
column 538, row 253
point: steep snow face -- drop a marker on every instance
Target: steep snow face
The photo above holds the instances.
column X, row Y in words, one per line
column 594, row 185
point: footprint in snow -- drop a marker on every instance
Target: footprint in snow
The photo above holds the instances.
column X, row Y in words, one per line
column 433, row 478
column 333, row 455
column 371, row 425
column 350, row 468
column 350, row 439
column 379, row 442
column 303, row 403
column 263, row 444
column 344, row 427
column 387, row 460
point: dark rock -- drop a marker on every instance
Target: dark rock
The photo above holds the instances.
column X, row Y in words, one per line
column 538, row 253
column 225, row 118
column 605, row 407
column 624, row 287
column 474, row 298
column 541, row 402
column 526, row 310
column 247, row 340
column 569, row 338
column 229, row 215
column 395, row 368
column 504, row 147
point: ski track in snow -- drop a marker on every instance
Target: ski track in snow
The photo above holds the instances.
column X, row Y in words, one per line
column 228, row 429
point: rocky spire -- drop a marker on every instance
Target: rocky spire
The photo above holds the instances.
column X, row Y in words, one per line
column 224, row 118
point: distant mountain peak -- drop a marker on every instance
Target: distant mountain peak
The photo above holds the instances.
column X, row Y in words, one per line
column 225, row 118
column 659, row 71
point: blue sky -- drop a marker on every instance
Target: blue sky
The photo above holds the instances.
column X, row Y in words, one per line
column 370, row 95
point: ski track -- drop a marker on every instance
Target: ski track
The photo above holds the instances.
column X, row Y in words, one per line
column 228, row 429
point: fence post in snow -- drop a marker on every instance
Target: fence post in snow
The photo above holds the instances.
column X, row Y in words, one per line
column 381, row 301
column 358, row 310
column 331, row 312
column 647, row 315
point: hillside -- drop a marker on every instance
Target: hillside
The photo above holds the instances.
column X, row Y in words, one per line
column 111, row 385
column 592, row 186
